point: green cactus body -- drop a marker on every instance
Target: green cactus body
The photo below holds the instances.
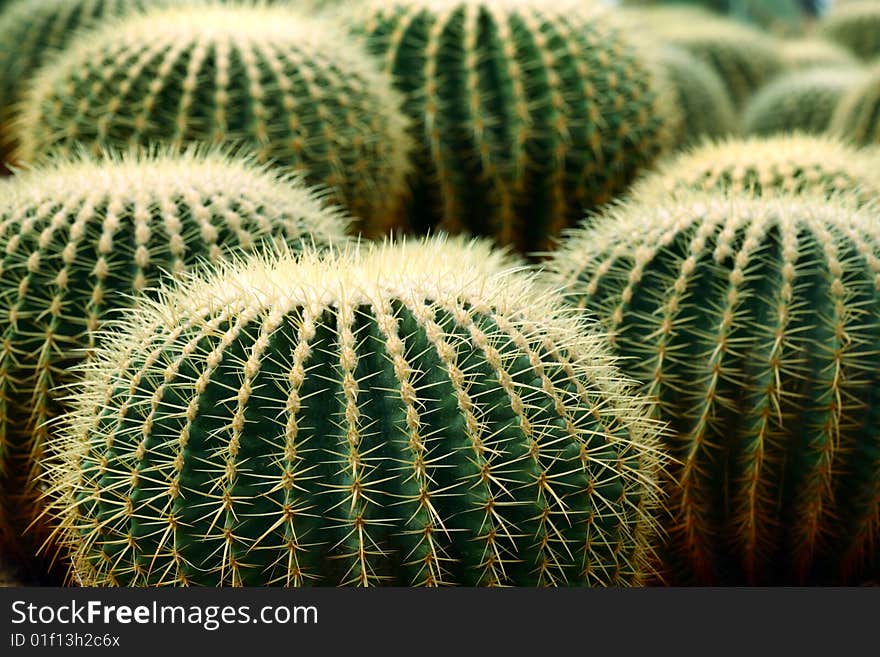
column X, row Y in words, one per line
column 855, row 25
column 410, row 414
column 815, row 53
column 527, row 112
column 81, row 239
column 857, row 117
column 802, row 101
column 32, row 30
column 744, row 58
column 707, row 111
column 754, row 324
column 252, row 76
column 769, row 166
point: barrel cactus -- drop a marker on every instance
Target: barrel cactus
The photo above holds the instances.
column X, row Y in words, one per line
column 855, row 25
column 260, row 77
column 857, row 117
column 770, row 166
column 31, row 31
column 707, row 111
column 82, row 238
column 801, row 101
column 754, row 324
column 527, row 112
column 405, row 414
column 815, row 53
column 743, row 57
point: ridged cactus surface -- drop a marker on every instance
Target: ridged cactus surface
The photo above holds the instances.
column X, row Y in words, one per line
column 755, row 324
column 857, row 117
column 31, row 31
column 527, row 112
column 409, row 414
column 702, row 99
column 81, row 239
column 744, row 58
column 802, row 101
column 260, row 77
column 814, row 53
column 770, row 166
column 855, row 25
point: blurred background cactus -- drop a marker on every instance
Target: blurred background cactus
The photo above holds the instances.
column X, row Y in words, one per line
column 857, row 117
column 856, row 26
column 32, row 31
column 409, row 414
column 260, row 77
column 801, row 101
column 83, row 238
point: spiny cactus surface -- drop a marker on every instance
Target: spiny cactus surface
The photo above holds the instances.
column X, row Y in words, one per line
column 82, row 238
column 409, row 414
column 705, row 105
column 31, row 31
column 769, row 166
column 261, row 77
column 527, row 112
column 802, row 101
column 857, row 117
column 855, row 25
column 754, row 323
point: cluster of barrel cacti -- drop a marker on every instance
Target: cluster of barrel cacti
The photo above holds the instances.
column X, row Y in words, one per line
column 437, row 292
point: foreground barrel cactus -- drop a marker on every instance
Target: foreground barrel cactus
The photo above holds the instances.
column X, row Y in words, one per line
column 259, row 77
column 527, row 112
column 411, row 414
column 857, row 117
column 83, row 238
column 754, row 324
column 781, row 164
column 802, row 101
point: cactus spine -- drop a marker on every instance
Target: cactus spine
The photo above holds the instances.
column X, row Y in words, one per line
column 857, row 117
column 754, row 323
column 253, row 76
column 855, row 25
column 527, row 112
column 802, row 101
column 411, row 414
column 78, row 239
column 770, row 166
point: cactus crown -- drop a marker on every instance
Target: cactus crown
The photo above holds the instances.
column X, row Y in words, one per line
column 79, row 239
column 857, row 117
column 408, row 414
column 769, row 166
column 256, row 76
column 802, row 101
column 527, row 112
column 754, row 323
